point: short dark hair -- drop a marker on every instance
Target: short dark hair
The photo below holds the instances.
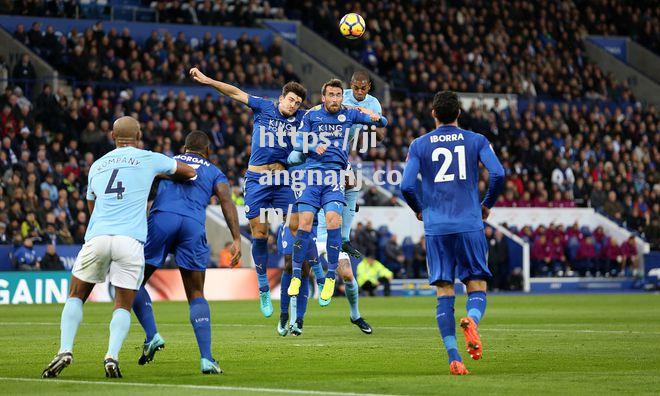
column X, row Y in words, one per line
column 446, row 106
column 335, row 82
column 197, row 141
column 295, row 87
column 361, row 75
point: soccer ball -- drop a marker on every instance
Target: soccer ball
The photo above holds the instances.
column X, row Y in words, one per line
column 352, row 26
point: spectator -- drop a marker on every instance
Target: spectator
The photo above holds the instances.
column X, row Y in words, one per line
column 25, row 257
column 24, row 74
column 630, row 259
column 598, row 196
column 4, row 237
column 419, row 260
column 563, row 177
column 560, row 263
column 51, row 261
column 613, row 207
column 30, row 228
column 394, row 258
column 498, row 259
column 541, row 257
column 586, row 265
column 371, row 273
column 612, row 257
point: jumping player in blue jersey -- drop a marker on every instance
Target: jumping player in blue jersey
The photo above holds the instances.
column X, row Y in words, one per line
column 298, row 304
column 177, row 224
column 448, row 204
column 357, row 96
column 323, row 137
column 117, row 192
column 271, row 145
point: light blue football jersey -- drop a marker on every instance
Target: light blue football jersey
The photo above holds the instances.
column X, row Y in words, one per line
column 369, row 102
column 119, row 183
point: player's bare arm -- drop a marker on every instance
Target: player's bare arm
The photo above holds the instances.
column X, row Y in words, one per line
column 226, row 89
column 231, row 217
column 183, row 172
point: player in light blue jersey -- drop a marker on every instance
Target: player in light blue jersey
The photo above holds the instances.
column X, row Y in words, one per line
column 357, row 96
column 323, row 137
column 271, row 145
column 177, row 224
column 345, row 270
column 448, row 204
column 117, row 192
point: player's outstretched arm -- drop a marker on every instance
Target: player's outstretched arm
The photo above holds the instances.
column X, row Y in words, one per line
column 231, row 217
column 495, row 175
column 409, row 182
column 183, row 172
column 224, row 88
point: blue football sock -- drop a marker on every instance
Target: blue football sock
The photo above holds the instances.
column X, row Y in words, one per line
column 300, row 247
column 200, row 318
column 314, row 262
column 476, row 305
column 119, row 326
column 333, row 248
column 145, row 313
column 285, row 299
column 447, row 326
column 72, row 315
column 347, row 215
column 301, row 306
column 260, row 257
column 352, row 295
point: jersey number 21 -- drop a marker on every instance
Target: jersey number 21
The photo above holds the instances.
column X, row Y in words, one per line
column 447, row 156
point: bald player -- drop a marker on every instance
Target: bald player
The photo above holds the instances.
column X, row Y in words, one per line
column 117, row 192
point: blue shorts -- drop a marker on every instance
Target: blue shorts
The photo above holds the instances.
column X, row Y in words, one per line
column 461, row 256
column 268, row 194
column 318, row 194
column 181, row 235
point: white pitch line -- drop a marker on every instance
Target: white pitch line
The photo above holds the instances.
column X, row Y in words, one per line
column 195, row 387
column 429, row 328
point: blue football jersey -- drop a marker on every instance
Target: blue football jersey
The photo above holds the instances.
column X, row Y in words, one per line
column 331, row 129
column 448, row 160
column 267, row 148
column 189, row 198
column 119, row 183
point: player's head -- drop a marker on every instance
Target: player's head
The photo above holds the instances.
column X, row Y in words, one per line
column 446, row 107
column 360, row 84
column 293, row 94
column 198, row 142
column 126, row 131
column 332, row 94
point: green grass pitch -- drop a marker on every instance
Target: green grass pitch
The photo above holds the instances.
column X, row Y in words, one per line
column 541, row 344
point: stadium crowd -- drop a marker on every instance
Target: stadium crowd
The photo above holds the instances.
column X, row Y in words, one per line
column 204, row 12
column 504, row 46
column 566, row 251
column 114, row 59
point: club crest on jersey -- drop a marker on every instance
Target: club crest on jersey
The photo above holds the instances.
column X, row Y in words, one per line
column 454, row 137
column 341, row 118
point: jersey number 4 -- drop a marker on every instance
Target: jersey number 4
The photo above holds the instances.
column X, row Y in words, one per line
column 119, row 190
column 442, row 175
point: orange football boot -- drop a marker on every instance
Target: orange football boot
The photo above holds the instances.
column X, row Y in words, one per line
column 472, row 339
column 458, row 368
